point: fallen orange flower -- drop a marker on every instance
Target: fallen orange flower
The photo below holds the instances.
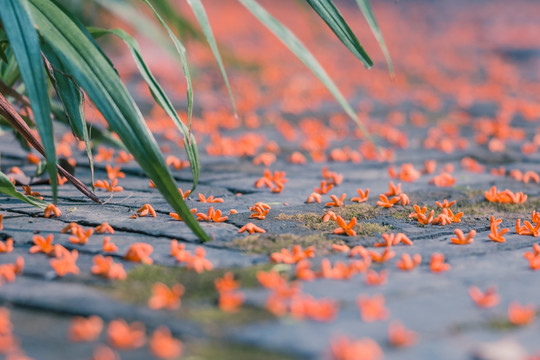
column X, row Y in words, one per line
column 336, row 201
column 362, row 196
column 373, row 308
column 394, row 190
column 103, row 228
column 28, row 191
column 303, row 271
column 226, row 283
column 270, row 279
column 65, row 263
column 124, row 336
column 374, row 278
column 212, row 215
column 164, row 297
column 443, row 180
column 113, row 173
column 184, row 194
column 406, row 263
column 85, row 329
column 70, row 228
column 110, row 187
column 145, row 210
column 345, row 228
column 140, row 252
column 52, row 209
column 496, row 233
column 43, row 245
column 329, row 215
column 344, row 349
column 341, row 248
column 324, row 189
column 7, row 246
column 199, row 262
column 108, row 246
column 399, row 335
column 230, row 301
column 386, row 255
column 528, row 228
column 107, row 268
column 175, row 216
column 462, row 239
column 209, row 199
column 485, row 300
column 437, row 263
column 313, row 197
column 251, row 228
column 80, row 236
column 163, row 345
column 445, row 204
column 384, row 202
column 260, row 210
column 521, row 314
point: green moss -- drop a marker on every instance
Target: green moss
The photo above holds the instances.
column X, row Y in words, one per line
column 368, row 229
column 213, row 319
column 500, row 324
column 227, row 351
column 137, row 288
column 359, row 211
column 506, row 211
column 268, row 243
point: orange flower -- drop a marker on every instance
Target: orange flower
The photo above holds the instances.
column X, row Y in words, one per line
column 28, row 191
column 374, row 278
column 528, row 228
column 43, row 245
column 199, row 262
column 103, row 228
column 104, row 154
column 70, row 228
column 331, row 176
column 362, row 196
column 184, row 194
column 535, row 253
column 1, row 220
column 297, row 158
column 445, row 204
column 462, row 239
column 329, row 215
column 85, row 329
column 52, row 209
column 406, row 263
column 163, row 297
column 341, row 248
column 297, row 254
column 344, row 349
column 105, row 267
column 140, row 252
column 209, row 199
column 306, row 306
column 81, row 236
column 260, row 210
column 108, row 246
column 386, row 255
column 176, row 163
column 65, row 263
column 251, row 228
column 266, row 159
column 336, row 201
column 124, row 336
column 521, row 314
column 230, row 301
column 442, row 180
column 105, row 353
column 163, row 345
column 145, row 210
column 384, row 202
column 393, row 239
column 399, row 335
column 303, row 271
column 485, row 300
column 344, row 227
column 425, row 219
column 394, row 190
column 175, row 216
column 271, row 279
column 504, row 197
column 429, row 166
column 324, row 189
column 313, row 197
column 437, row 263
column 114, row 172
column 373, row 308
column 227, row 283
column 531, row 176
column 418, row 211
column 110, row 187
column 212, row 215
column 496, row 233
column 6, row 246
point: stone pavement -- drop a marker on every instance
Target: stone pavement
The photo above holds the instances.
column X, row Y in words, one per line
column 437, row 306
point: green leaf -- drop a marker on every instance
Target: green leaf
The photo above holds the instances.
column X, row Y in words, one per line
column 303, row 54
column 102, row 84
column 7, row 187
column 159, row 95
column 71, row 97
column 24, row 42
column 333, row 18
column 202, row 18
column 182, row 52
column 365, row 6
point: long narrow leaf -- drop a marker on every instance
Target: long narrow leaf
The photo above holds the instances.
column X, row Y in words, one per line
column 94, row 74
column 7, row 187
column 24, row 42
column 297, row 48
column 182, row 52
column 71, row 97
column 202, row 18
column 367, row 11
column 22, row 128
column 159, row 95
column 333, row 18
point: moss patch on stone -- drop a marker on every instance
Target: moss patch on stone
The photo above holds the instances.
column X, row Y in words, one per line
column 137, row 288
column 202, row 350
column 268, row 243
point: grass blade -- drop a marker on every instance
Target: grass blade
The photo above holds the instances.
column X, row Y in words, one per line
column 303, row 54
column 7, row 187
column 100, row 81
column 365, row 7
column 159, row 95
column 24, row 42
column 202, row 18
column 333, row 18
column 71, row 97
